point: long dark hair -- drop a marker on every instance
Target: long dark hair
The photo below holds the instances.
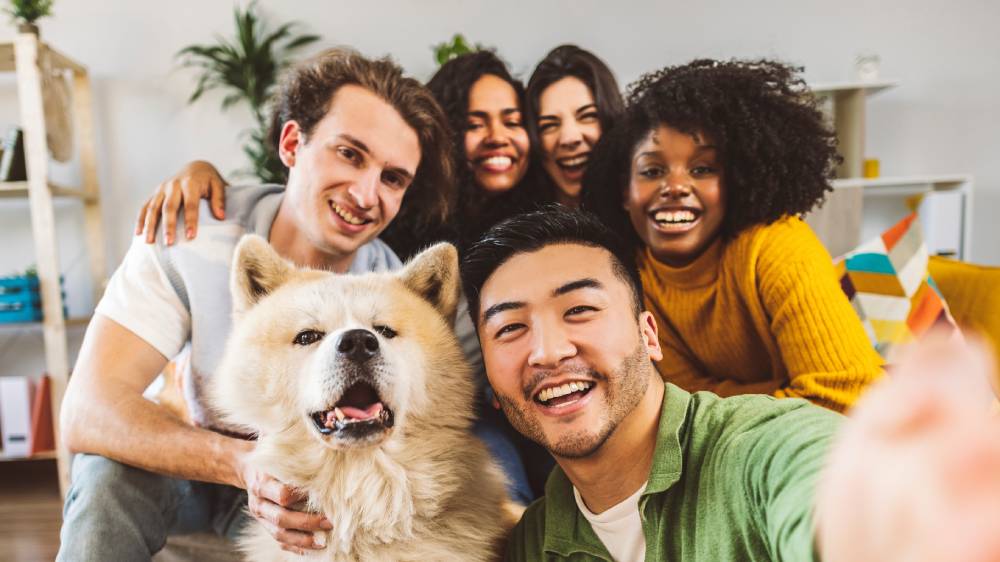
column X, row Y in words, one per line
column 475, row 210
column 561, row 62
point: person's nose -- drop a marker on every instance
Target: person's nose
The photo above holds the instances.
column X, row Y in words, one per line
column 676, row 186
column 364, row 191
column 550, row 345
column 570, row 135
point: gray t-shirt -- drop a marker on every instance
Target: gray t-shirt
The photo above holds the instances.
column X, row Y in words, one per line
column 177, row 298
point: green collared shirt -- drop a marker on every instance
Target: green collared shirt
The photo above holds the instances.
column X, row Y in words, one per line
column 732, row 480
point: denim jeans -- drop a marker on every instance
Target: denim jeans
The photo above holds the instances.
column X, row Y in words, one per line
column 525, row 464
column 114, row 512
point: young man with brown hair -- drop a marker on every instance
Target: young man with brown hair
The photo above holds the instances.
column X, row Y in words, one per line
column 356, row 136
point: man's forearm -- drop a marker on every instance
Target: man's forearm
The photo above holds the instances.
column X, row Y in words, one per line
column 140, row 433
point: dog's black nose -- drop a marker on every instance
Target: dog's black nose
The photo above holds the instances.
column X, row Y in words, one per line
column 357, row 345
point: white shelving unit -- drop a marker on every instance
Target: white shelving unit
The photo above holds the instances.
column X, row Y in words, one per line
column 26, row 57
column 860, row 208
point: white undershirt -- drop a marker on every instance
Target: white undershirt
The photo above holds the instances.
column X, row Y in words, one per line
column 619, row 528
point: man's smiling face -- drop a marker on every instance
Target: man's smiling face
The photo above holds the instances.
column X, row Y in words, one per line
column 565, row 351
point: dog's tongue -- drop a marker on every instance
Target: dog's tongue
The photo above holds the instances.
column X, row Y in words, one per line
column 354, row 413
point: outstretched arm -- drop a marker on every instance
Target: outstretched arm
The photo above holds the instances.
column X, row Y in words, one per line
column 915, row 473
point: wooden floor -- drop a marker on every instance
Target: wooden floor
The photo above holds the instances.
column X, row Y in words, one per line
column 30, row 511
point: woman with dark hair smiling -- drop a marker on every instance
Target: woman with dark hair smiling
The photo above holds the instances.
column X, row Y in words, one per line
column 483, row 104
column 572, row 98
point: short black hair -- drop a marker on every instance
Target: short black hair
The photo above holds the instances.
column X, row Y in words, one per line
column 776, row 149
column 534, row 230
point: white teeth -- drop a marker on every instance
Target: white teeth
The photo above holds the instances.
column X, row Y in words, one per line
column 347, row 215
column 340, row 415
column 498, row 162
column 563, row 390
column 575, row 161
column 674, row 216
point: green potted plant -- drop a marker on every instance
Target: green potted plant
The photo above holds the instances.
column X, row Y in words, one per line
column 26, row 12
column 246, row 68
column 458, row 46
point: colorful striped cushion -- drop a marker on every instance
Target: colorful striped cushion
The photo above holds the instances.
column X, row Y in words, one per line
column 887, row 282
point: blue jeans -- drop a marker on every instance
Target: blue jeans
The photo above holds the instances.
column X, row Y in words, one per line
column 115, row 512
column 525, row 464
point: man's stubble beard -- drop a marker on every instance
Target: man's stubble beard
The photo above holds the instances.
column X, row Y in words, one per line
column 625, row 390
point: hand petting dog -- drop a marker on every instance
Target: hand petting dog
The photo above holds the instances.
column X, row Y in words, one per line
column 273, row 504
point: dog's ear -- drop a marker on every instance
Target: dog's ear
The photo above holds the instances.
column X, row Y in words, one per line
column 257, row 271
column 433, row 274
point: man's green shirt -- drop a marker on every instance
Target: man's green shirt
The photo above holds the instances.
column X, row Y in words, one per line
column 732, row 479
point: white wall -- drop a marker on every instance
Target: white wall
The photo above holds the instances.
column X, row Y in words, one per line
column 942, row 118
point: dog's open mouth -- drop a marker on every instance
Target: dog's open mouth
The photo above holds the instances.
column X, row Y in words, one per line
column 359, row 413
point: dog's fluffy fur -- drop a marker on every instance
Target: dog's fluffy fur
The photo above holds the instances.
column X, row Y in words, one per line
column 422, row 488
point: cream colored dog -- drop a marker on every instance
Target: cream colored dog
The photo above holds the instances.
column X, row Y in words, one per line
column 361, row 397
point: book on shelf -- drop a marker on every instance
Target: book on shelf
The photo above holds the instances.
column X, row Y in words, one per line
column 12, row 163
column 25, row 416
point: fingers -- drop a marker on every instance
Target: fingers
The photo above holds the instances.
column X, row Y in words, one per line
column 191, row 202
column 296, row 531
column 171, row 206
column 217, row 196
column 290, row 539
column 153, row 216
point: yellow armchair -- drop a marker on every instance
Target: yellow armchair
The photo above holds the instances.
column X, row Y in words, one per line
column 973, row 295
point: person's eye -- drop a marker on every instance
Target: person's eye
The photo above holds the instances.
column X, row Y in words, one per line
column 513, row 123
column 580, row 310
column 393, row 179
column 700, row 171
column 507, row 330
column 308, row 337
column 385, row 331
column 651, row 172
column 589, row 116
column 350, row 154
column 473, row 125
column 547, row 126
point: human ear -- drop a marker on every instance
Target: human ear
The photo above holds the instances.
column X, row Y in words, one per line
column 288, row 142
column 650, row 335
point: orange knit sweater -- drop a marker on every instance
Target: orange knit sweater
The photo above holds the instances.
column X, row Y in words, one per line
column 760, row 313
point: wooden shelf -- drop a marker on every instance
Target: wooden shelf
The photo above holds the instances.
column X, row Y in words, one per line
column 835, row 88
column 30, row 59
column 57, row 59
column 904, row 184
column 20, row 189
column 43, row 456
column 73, row 322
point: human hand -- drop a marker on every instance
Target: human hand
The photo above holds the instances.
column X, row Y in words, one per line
column 272, row 503
column 915, row 472
column 196, row 181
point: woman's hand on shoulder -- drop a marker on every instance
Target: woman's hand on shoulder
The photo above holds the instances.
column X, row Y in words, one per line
column 196, row 181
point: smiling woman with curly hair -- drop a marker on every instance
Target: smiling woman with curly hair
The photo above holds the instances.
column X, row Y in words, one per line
column 708, row 171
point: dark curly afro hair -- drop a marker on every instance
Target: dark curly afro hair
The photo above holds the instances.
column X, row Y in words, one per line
column 776, row 150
